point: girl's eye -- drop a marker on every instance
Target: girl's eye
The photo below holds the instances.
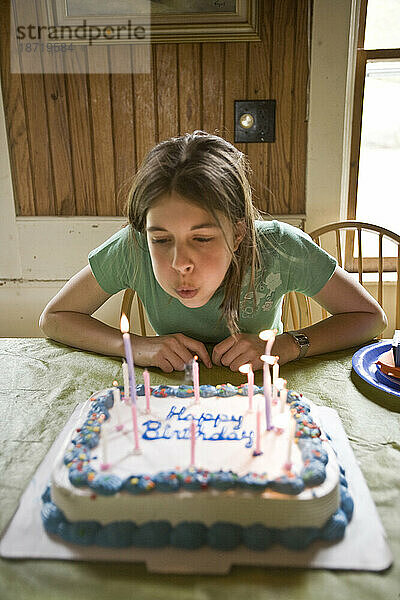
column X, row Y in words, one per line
column 164, row 240
column 158, row 241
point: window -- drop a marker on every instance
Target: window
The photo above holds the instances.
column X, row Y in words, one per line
column 374, row 187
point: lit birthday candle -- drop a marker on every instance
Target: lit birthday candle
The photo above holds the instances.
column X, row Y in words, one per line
column 247, row 368
column 129, row 357
column 125, row 375
column 117, row 407
column 192, row 443
column 268, row 360
column 146, row 379
column 195, row 368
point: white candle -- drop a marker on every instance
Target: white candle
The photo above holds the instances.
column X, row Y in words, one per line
column 195, row 368
column 125, row 375
column 103, row 442
column 283, row 395
column 275, row 376
column 129, row 357
column 247, row 368
column 192, row 443
column 278, row 387
column 146, row 379
column 267, row 389
column 117, row 408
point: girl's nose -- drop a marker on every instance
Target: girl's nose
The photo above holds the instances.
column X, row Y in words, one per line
column 181, row 261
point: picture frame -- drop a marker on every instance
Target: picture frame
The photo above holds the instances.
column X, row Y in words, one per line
column 162, row 21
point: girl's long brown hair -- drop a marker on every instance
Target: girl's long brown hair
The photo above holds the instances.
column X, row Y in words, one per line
column 211, row 172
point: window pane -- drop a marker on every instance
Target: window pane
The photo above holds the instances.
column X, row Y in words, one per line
column 382, row 28
column 378, row 198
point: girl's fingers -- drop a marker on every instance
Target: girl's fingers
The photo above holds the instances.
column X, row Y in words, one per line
column 199, row 349
column 221, row 349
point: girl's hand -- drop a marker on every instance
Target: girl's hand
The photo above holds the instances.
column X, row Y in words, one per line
column 168, row 352
column 248, row 347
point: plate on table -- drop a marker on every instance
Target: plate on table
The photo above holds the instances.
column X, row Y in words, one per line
column 364, row 364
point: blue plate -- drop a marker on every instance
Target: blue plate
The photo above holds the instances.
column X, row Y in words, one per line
column 364, row 364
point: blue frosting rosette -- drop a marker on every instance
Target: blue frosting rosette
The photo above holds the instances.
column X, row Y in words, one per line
column 207, row 391
column 162, row 391
column 185, row 391
column 225, row 390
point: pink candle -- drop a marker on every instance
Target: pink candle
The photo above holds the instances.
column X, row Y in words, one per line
column 247, row 368
column 129, row 357
column 135, row 428
column 146, row 378
column 291, row 433
column 192, row 443
column 195, row 371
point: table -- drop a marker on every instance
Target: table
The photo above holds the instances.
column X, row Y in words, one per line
column 41, row 379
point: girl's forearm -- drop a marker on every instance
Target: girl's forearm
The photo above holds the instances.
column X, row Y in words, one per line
column 83, row 331
column 337, row 332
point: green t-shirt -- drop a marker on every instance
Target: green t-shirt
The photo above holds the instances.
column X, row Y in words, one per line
column 290, row 260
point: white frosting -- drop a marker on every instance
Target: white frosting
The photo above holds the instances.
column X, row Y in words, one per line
column 312, row 507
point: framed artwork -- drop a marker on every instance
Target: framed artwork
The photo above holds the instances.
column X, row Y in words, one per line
column 155, row 21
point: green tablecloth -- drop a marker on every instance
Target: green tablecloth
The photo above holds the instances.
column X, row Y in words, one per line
column 41, row 381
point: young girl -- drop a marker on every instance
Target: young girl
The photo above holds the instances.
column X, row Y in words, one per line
column 208, row 269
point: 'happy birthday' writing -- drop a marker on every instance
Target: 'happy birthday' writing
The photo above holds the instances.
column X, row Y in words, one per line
column 209, row 427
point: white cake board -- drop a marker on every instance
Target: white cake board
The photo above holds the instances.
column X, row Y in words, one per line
column 364, row 546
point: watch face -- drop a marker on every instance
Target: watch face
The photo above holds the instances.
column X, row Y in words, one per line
column 303, row 339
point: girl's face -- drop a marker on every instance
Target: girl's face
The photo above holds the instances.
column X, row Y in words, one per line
column 188, row 250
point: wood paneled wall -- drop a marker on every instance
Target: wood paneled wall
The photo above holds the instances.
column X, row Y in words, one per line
column 76, row 139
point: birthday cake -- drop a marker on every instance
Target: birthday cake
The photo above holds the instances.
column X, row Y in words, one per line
column 197, row 473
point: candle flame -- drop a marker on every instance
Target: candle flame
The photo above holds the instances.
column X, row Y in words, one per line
column 115, row 383
column 124, row 326
column 245, row 368
column 195, row 357
column 267, row 334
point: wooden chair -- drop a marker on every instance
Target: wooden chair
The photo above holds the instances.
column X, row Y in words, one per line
column 126, row 307
column 299, row 307
column 296, row 309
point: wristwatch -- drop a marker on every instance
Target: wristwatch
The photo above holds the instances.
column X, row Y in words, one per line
column 302, row 341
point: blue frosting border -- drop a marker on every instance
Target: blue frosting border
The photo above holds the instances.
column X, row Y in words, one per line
column 82, row 473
